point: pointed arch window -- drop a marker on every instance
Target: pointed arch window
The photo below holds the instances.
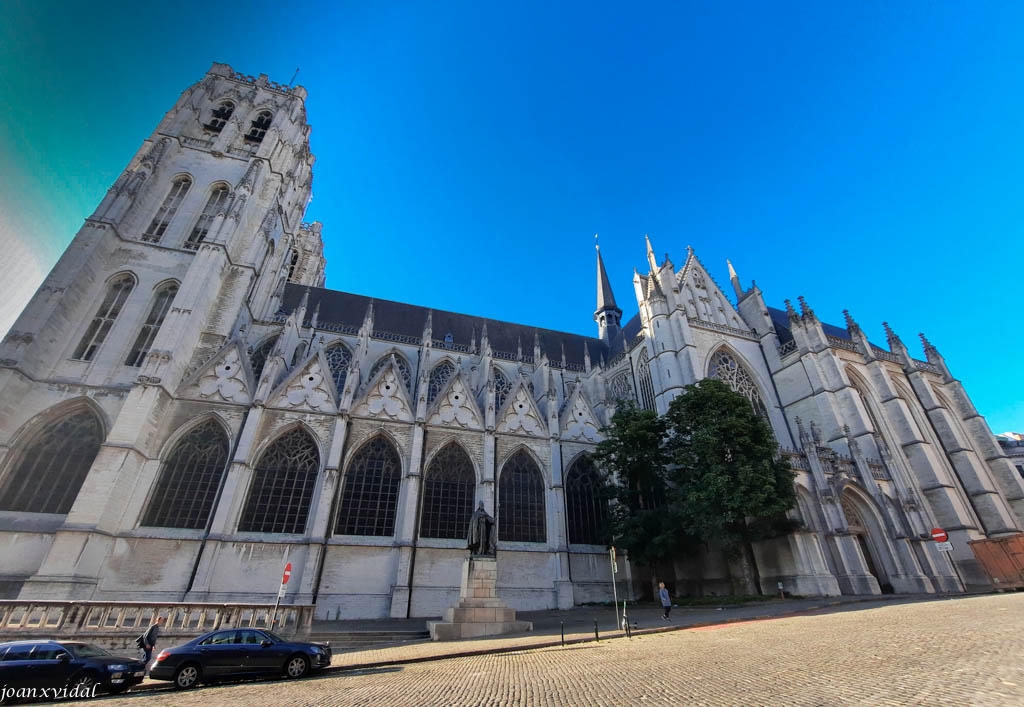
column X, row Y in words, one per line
column 282, row 486
column 258, row 357
column 585, row 504
column 403, row 369
column 521, row 500
column 158, row 226
column 189, row 478
column 48, row 472
column 339, row 358
column 293, row 262
column 502, row 388
column 645, row 383
column 144, row 341
column 370, row 496
column 449, row 487
column 117, row 293
column 621, row 388
column 258, row 128
column 214, row 205
column 726, row 368
column 439, row 377
column 220, row 116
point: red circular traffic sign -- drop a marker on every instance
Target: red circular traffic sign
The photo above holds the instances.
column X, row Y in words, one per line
column 939, row 535
column 287, row 573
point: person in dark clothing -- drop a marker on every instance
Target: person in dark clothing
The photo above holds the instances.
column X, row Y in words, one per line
column 666, row 603
column 147, row 641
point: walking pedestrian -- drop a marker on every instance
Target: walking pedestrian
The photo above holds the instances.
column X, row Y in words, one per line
column 147, row 641
column 666, row 602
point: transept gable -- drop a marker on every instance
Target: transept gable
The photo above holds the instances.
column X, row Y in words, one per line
column 578, row 420
column 702, row 297
column 309, row 386
column 455, row 406
column 386, row 395
column 226, row 377
column 520, row 413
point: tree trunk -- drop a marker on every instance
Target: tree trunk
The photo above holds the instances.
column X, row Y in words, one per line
column 750, row 567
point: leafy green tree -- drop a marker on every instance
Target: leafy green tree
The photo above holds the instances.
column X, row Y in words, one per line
column 634, row 459
column 727, row 482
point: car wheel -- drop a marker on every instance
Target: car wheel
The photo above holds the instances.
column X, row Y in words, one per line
column 83, row 682
column 186, row 676
column 297, row 666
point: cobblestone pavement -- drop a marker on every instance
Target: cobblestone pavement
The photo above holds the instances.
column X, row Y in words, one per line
column 963, row 651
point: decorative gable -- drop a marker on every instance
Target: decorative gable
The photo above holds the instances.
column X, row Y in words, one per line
column 579, row 421
column 225, row 377
column 386, row 397
column 309, row 387
column 455, row 406
column 703, row 298
column 521, row 415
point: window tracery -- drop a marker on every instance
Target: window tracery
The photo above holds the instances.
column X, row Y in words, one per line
column 449, row 486
column 150, row 328
column 502, row 388
column 169, row 207
column 214, row 205
column 370, row 496
column 726, row 368
column 621, row 388
column 521, row 500
column 439, row 377
column 643, row 375
column 339, row 358
column 48, row 473
column 258, row 357
column 282, row 486
column 189, row 479
column 259, row 126
column 586, row 507
column 220, row 116
column 117, row 293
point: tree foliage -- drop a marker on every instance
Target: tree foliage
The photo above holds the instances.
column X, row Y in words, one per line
column 708, row 471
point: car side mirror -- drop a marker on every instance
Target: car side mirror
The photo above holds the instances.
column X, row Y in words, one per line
column 266, row 643
column 64, row 658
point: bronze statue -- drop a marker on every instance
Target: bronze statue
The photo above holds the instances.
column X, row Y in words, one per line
column 482, row 532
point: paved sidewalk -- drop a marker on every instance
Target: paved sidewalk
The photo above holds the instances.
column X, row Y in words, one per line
column 578, row 626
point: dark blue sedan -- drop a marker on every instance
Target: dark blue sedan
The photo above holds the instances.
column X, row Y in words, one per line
column 238, row 652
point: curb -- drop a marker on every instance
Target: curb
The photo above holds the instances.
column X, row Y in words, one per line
column 472, row 653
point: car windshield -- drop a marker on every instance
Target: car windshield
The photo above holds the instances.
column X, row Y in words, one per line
column 274, row 637
column 86, row 650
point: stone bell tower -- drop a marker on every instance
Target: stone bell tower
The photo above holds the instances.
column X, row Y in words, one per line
column 200, row 230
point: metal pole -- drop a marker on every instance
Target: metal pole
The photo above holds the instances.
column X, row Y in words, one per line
column 956, row 570
column 615, row 586
column 562, row 624
column 597, row 637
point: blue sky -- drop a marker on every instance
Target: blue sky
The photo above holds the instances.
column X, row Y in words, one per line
column 868, row 157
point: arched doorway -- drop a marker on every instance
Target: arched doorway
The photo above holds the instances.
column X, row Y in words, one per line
column 863, row 524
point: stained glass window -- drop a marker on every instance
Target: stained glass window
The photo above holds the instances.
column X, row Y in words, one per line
column 403, row 369
column 282, row 486
column 189, row 479
column 218, row 197
column 727, row 369
column 369, row 498
column 258, row 358
column 643, row 375
column 144, row 341
column 47, row 474
column 339, row 358
column 521, row 500
column 502, row 388
column 439, row 377
column 158, row 226
column 117, row 293
column 449, row 486
column 586, row 506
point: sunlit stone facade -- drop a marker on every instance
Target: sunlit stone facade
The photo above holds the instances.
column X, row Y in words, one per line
column 184, row 409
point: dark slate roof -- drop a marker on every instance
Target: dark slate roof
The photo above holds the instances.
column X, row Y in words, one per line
column 781, row 321
column 407, row 320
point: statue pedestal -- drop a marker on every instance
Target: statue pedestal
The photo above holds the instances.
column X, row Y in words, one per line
column 479, row 612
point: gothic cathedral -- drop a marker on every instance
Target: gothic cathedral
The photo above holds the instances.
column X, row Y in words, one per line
column 184, row 408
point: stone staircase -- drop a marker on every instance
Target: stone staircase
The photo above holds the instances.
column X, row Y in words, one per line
column 349, row 636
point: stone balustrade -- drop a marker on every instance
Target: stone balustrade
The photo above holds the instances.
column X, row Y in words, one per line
column 115, row 625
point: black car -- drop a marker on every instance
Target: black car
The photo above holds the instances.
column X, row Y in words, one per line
column 238, row 652
column 62, row 667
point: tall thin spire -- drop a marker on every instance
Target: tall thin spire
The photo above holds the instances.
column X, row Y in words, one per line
column 652, row 260
column 607, row 315
column 734, row 279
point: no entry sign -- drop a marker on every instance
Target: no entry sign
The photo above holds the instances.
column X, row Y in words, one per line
column 939, row 535
column 288, row 570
